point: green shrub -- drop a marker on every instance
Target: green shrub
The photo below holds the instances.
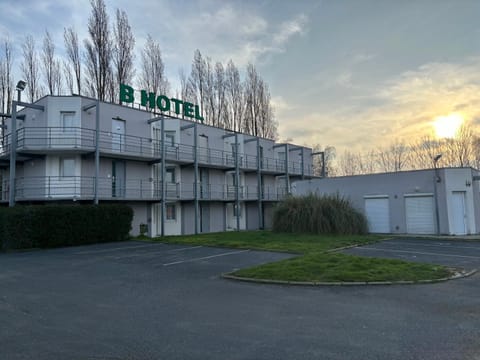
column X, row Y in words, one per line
column 328, row 214
column 47, row 226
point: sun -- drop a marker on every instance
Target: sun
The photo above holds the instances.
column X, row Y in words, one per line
column 448, row 126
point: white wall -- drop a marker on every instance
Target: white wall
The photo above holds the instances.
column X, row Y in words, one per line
column 457, row 180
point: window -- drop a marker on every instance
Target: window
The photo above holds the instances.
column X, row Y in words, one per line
column 237, row 209
column 67, row 167
column 170, row 138
column 170, row 212
column 68, row 121
column 170, row 175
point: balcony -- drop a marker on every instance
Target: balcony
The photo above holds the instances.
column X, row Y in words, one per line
column 45, row 140
column 56, row 188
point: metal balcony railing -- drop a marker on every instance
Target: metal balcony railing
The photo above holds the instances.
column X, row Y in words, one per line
column 38, row 139
column 40, row 188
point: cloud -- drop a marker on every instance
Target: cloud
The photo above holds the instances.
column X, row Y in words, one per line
column 403, row 107
column 290, row 28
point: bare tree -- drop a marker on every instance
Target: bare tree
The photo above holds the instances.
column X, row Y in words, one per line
column 220, row 92
column 186, row 91
column 459, row 151
column 73, row 53
column 393, row 158
column 210, row 108
column 152, row 76
column 329, row 154
column 251, row 87
column 350, row 164
column 367, row 163
column 198, row 81
column 69, row 82
column 6, row 82
column 48, row 62
column 30, row 70
column 98, row 50
column 423, row 152
column 259, row 119
column 235, row 97
column 123, row 48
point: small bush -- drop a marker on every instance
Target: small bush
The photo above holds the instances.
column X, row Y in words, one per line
column 47, row 226
column 329, row 214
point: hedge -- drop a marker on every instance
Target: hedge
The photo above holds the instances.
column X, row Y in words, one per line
column 45, row 226
column 328, row 214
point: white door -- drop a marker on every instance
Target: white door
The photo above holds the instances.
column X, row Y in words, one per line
column 419, row 213
column 377, row 211
column 459, row 215
column 118, row 135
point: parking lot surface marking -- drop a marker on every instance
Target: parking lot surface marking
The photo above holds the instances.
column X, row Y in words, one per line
column 205, row 257
column 419, row 252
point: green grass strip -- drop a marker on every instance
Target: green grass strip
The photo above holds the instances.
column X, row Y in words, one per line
column 341, row 267
column 315, row 264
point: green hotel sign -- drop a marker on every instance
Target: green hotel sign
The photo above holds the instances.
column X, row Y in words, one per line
column 162, row 102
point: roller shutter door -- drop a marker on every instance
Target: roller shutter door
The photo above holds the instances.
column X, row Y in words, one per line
column 378, row 214
column 419, row 213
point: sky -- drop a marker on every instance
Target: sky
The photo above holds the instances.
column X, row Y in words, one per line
column 354, row 74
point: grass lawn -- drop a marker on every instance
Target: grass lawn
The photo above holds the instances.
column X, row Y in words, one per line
column 315, row 264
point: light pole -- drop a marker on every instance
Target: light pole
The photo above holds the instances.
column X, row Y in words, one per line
column 436, row 180
column 20, row 87
column 13, row 143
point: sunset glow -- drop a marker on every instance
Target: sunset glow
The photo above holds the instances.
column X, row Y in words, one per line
column 448, row 126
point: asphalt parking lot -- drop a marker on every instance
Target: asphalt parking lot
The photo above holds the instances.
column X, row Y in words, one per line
column 139, row 300
column 456, row 253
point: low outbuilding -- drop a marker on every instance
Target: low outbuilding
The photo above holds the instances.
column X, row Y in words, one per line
column 432, row 201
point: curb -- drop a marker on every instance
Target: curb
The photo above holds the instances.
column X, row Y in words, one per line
column 457, row 275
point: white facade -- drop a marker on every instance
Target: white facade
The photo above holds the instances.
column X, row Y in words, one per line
column 179, row 176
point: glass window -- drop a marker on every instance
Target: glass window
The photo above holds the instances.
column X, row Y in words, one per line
column 237, row 209
column 170, row 212
column 170, row 175
column 67, row 167
column 170, row 138
column 68, row 120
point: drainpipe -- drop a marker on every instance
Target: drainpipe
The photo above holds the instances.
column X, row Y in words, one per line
column 13, row 155
column 97, row 151
column 435, row 195
column 163, row 176
column 195, row 165
column 287, row 176
column 259, row 185
column 237, row 177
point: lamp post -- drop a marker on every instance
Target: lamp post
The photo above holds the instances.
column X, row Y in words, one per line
column 20, row 87
column 436, row 180
column 13, row 143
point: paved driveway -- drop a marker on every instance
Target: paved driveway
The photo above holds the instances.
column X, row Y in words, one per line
column 153, row 301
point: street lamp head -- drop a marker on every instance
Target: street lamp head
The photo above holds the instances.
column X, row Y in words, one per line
column 437, row 157
column 21, row 85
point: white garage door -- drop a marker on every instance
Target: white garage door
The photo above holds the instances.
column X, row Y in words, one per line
column 378, row 214
column 419, row 213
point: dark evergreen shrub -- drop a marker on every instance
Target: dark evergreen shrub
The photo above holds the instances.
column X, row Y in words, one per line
column 46, row 226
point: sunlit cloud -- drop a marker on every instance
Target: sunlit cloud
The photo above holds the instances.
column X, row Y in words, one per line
column 407, row 107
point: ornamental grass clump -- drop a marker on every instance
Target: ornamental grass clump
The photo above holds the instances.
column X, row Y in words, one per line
column 327, row 214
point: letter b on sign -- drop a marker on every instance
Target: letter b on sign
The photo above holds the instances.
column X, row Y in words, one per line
column 126, row 93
